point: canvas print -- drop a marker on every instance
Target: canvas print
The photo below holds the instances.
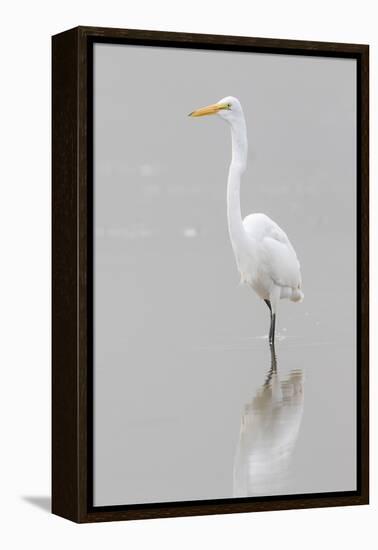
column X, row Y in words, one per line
column 224, row 306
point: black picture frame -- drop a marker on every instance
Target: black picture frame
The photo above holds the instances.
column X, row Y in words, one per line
column 72, row 273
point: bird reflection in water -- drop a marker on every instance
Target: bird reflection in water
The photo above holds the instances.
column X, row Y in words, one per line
column 268, row 433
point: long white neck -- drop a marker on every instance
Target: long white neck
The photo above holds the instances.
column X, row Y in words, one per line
column 237, row 168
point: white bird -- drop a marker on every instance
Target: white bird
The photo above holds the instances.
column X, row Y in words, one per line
column 265, row 258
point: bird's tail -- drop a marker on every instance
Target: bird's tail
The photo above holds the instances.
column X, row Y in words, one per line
column 297, row 295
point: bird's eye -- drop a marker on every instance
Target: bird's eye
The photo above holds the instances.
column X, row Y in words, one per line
column 228, row 105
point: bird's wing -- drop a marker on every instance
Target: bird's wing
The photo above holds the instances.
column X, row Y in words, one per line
column 281, row 262
column 277, row 254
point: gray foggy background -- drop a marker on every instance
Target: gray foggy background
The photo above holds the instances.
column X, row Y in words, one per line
column 180, row 352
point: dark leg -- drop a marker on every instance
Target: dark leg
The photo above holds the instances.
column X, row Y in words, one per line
column 273, row 357
column 272, row 323
column 272, row 328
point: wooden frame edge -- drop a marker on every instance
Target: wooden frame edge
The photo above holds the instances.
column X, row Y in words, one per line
column 64, row 276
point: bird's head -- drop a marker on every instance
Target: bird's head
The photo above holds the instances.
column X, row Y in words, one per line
column 228, row 108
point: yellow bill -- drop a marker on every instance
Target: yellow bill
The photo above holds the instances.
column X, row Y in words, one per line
column 210, row 109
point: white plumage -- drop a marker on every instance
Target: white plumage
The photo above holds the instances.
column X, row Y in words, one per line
column 265, row 258
column 272, row 261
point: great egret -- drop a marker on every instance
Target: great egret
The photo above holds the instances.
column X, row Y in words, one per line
column 265, row 258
